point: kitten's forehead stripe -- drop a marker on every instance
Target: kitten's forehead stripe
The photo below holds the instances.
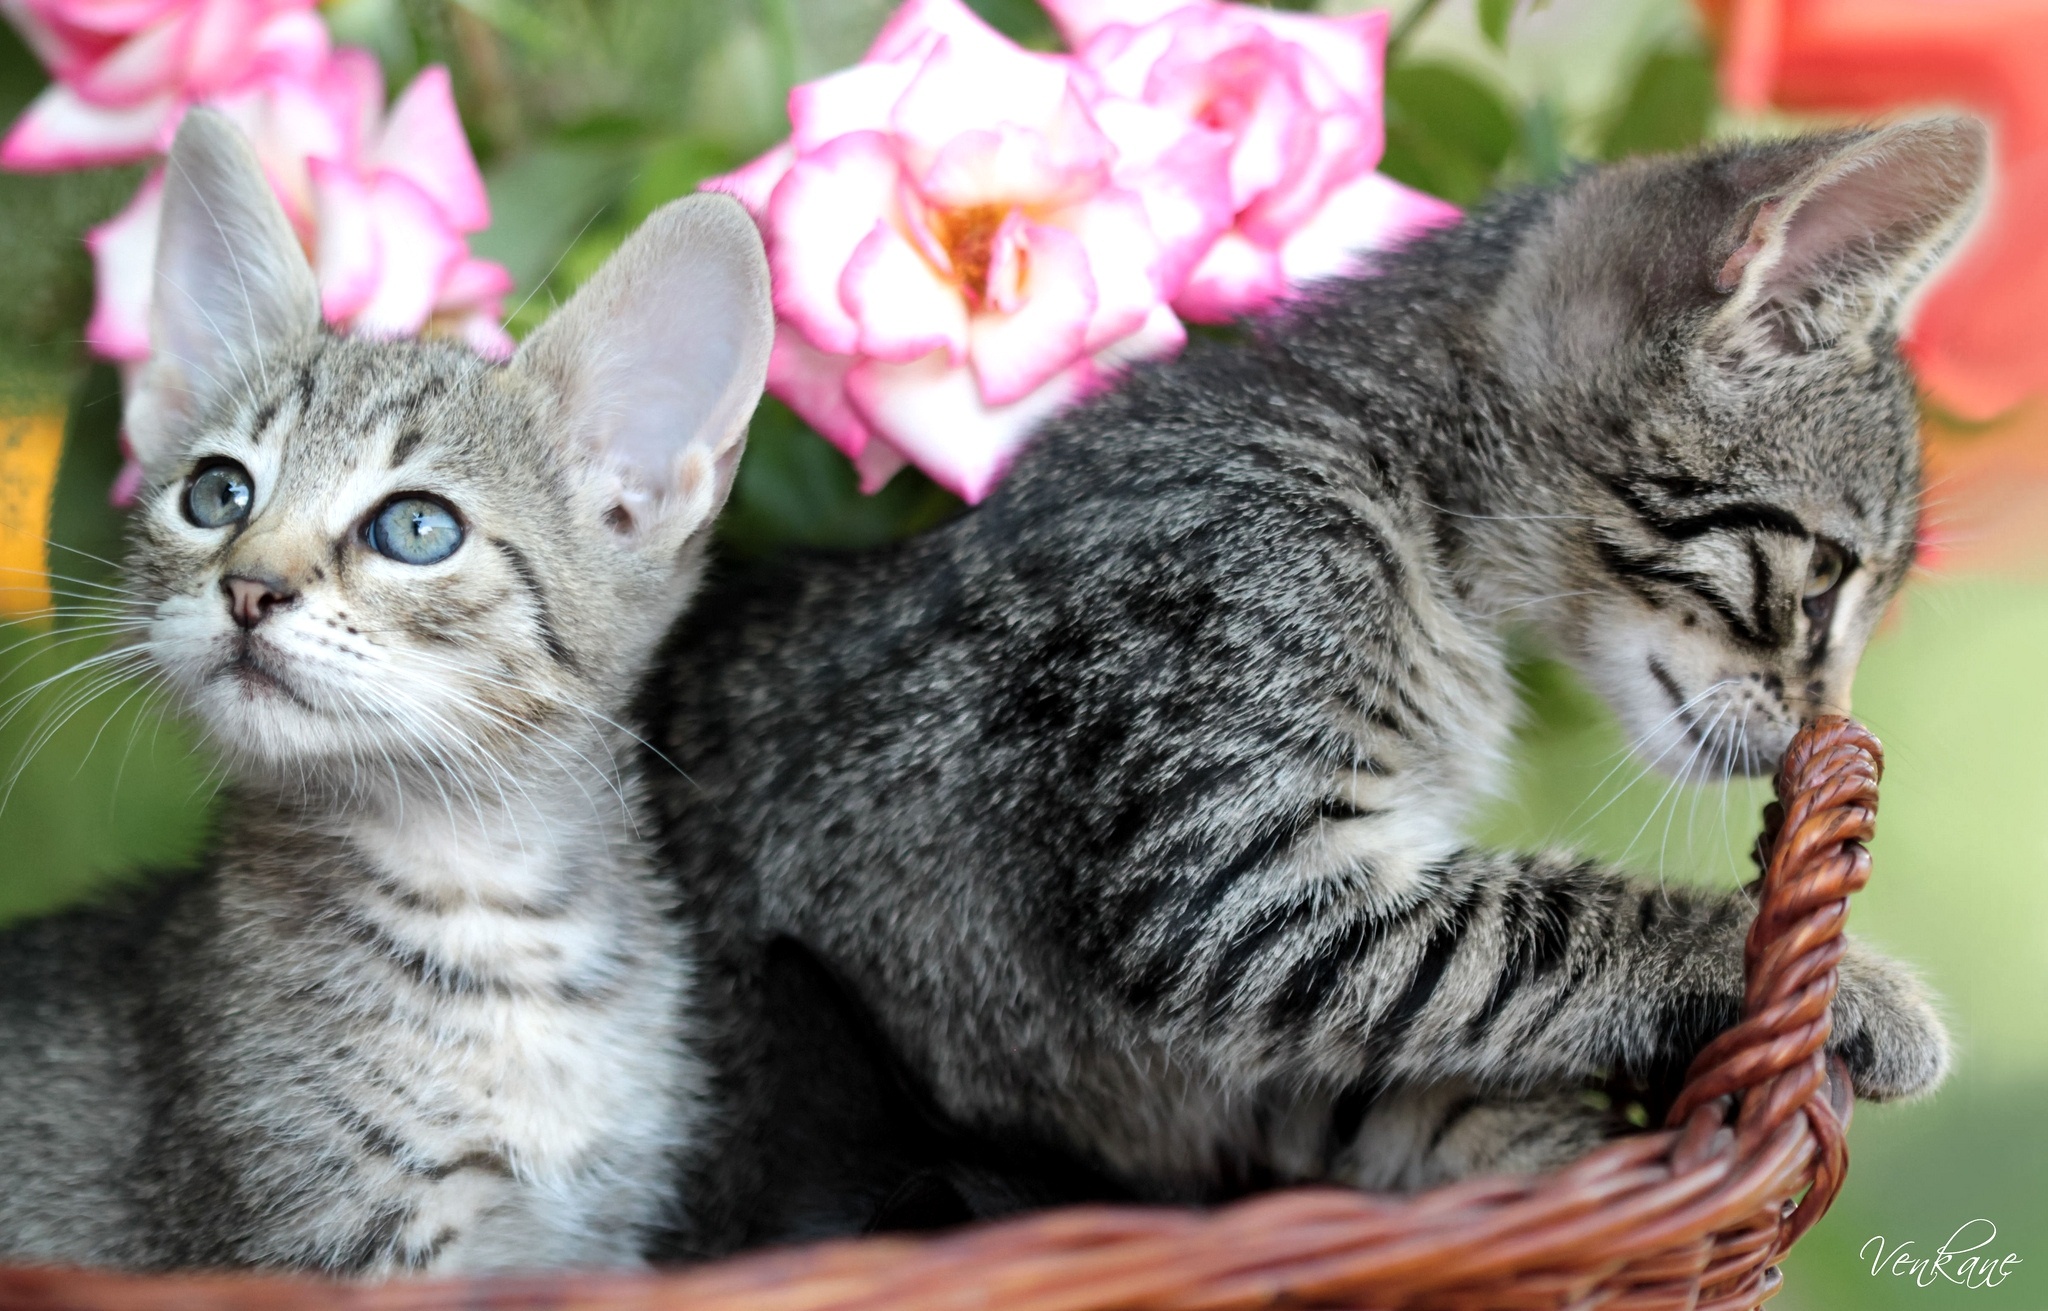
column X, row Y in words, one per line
column 259, row 426
column 409, row 439
column 307, row 383
column 1678, row 525
column 407, row 408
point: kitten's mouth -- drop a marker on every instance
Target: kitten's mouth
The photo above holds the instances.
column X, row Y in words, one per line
column 249, row 671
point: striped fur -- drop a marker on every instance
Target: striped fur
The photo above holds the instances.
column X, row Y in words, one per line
column 426, row 1006
column 1134, row 802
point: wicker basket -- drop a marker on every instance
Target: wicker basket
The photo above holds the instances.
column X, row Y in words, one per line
column 1692, row 1217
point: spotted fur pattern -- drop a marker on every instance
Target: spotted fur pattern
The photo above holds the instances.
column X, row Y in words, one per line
column 425, row 1008
column 1134, row 803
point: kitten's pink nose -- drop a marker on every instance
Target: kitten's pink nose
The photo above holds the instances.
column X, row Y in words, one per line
column 250, row 600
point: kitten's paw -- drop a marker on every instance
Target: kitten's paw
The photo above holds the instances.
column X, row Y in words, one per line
column 1887, row 1029
column 1522, row 1136
column 1421, row 1138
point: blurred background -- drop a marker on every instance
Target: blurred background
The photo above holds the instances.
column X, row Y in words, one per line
column 586, row 114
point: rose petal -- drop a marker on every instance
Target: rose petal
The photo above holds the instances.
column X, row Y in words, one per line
column 423, row 142
column 1024, row 129
column 1079, row 20
column 876, row 465
column 934, row 414
column 62, row 131
column 483, row 334
column 415, row 250
column 294, row 44
column 1160, row 335
column 59, row 45
column 147, row 65
column 1179, row 174
column 1345, row 148
column 1123, row 58
column 345, row 261
column 127, row 484
column 1237, row 276
column 104, row 18
column 350, row 89
column 819, row 214
column 474, row 284
column 1003, row 290
column 1350, row 50
column 1123, row 263
column 124, row 271
column 220, row 44
column 290, row 122
column 857, row 99
column 904, row 308
column 1014, row 354
column 753, row 183
column 1373, row 213
column 813, row 384
column 1011, row 165
column 911, row 28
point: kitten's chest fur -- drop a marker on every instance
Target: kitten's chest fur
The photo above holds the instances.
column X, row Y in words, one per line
column 471, row 1030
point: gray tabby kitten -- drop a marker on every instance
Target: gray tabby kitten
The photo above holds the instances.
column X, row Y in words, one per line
column 425, row 1008
column 1133, row 804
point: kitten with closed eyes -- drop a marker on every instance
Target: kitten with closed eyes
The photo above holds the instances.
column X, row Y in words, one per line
column 425, row 1007
column 1133, row 805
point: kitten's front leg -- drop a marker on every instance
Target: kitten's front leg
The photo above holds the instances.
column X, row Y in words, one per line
column 1510, row 971
column 1420, row 1137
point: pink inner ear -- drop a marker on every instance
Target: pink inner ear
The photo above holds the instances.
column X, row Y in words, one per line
column 1730, row 276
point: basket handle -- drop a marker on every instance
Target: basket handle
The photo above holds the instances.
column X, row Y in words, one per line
column 1773, row 1060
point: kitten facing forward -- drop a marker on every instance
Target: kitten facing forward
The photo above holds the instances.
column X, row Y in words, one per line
column 1134, row 803
column 425, row 1007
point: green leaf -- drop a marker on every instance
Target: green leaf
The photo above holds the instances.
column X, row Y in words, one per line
column 1493, row 20
column 674, row 168
column 543, row 200
column 794, row 489
column 1020, row 20
column 1447, row 132
column 1668, row 106
column 1540, row 156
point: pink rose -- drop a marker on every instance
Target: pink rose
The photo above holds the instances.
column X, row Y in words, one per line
column 383, row 203
column 126, row 69
column 966, row 236
column 1299, row 97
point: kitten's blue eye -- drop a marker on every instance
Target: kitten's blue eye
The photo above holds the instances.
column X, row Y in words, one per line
column 219, row 495
column 415, row 530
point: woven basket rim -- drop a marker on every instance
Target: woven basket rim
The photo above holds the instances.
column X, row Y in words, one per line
column 1694, row 1215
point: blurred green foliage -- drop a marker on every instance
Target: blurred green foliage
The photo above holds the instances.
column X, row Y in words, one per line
column 587, row 114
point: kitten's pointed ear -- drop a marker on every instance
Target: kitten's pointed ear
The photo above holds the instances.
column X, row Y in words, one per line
column 231, row 285
column 1838, row 251
column 658, row 362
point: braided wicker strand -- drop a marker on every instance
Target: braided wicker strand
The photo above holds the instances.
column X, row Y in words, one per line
column 1692, row 1217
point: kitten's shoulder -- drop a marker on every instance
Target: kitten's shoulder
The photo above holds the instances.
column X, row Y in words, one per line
column 104, row 943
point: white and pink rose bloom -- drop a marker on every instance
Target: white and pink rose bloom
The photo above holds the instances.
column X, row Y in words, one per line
column 125, row 70
column 1300, row 98
column 966, row 235
column 383, row 202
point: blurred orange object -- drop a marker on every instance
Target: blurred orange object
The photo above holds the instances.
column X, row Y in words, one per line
column 1987, row 494
column 29, row 447
column 1981, row 339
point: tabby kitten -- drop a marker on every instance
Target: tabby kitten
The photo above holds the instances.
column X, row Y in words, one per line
column 425, row 1007
column 1134, row 803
